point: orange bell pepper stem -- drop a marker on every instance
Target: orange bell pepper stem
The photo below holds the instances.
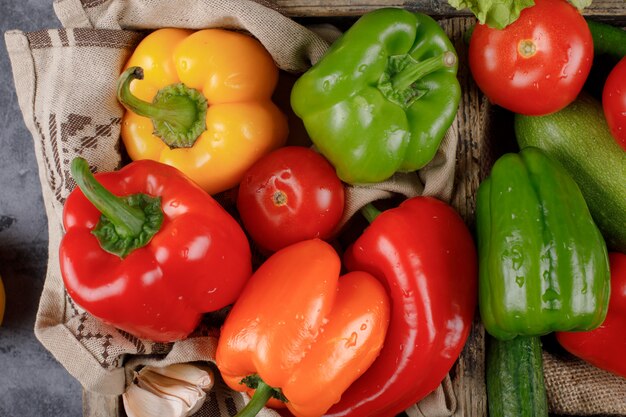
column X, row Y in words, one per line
column 300, row 332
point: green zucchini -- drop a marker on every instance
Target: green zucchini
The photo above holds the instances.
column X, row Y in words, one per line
column 607, row 39
column 579, row 138
column 515, row 384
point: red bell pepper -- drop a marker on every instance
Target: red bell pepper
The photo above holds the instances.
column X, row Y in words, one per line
column 604, row 347
column 152, row 262
column 424, row 254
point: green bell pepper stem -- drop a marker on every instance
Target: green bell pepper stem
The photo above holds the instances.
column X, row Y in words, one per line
column 178, row 112
column 262, row 394
column 370, row 212
column 127, row 223
column 128, row 220
column 412, row 73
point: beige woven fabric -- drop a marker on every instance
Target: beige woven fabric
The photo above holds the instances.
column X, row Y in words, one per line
column 73, row 112
column 267, row 25
column 65, row 83
column 577, row 388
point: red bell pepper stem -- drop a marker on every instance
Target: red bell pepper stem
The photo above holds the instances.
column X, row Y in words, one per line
column 127, row 223
column 128, row 220
column 261, row 396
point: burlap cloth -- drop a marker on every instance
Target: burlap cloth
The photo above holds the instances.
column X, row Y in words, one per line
column 65, row 82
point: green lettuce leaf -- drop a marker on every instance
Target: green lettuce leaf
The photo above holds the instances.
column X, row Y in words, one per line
column 580, row 4
column 499, row 14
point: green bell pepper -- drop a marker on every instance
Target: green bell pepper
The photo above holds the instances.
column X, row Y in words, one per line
column 543, row 262
column 382, row 97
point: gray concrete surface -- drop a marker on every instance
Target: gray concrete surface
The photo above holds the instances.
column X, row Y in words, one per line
column 32, row 382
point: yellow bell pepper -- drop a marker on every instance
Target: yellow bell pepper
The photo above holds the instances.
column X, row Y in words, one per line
column 201, row 101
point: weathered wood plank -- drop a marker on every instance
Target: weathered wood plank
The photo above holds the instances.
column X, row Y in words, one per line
column 330, row 8
column 607, row 10
column 468, row 373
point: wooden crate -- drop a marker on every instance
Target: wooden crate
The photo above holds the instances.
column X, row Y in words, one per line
column 485, row 132
column 603, row 10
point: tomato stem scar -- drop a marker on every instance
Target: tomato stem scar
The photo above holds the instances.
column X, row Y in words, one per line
column 527, row 48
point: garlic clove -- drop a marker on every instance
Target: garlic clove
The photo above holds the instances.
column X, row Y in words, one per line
column 177, row 390
column 196, row 406
column 168, row 387
column 201, row 376
column 141, row 403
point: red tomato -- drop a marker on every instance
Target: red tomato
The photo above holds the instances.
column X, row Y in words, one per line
column 614, row 102
column 538, row 64
column 290, row 195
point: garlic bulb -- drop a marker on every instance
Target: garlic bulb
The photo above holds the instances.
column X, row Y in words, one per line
column 177, row 390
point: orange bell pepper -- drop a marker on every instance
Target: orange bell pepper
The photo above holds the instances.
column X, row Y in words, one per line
column 201, row 102
column 301, row 333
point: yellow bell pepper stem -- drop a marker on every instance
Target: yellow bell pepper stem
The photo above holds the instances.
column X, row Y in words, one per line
column 178, row 113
